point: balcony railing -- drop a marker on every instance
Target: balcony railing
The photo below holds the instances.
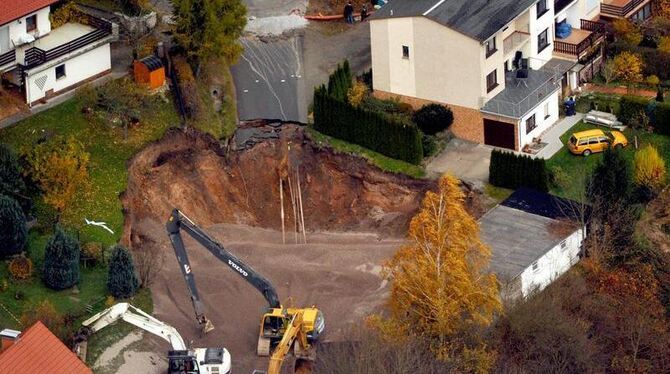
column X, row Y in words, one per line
column 36, row 56
column 597, row 32
column 8, row 58
column 620, row 11
column 514, row 41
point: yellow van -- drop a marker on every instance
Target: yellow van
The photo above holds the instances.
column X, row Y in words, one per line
column 593, row 141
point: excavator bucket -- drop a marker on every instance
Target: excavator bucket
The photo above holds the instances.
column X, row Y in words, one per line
column 207, row 327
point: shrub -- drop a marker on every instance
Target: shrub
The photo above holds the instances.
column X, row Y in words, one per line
column 121, row 102
column 357, row 93
column 11, row 182
column 188, row 87
column 510, row 170
column 433, row 118
column 630, row 106
column 92, row 251
column 627, row 31
column 47, row 314
column 121, row 279
column 61, row 261
column 389, row 136
column 649, row 169
column 429, row 144
column 21, row 268
column 662, row 118
column 652, row 80
column 664, row 44
column 13, row 233
column 628, row 67
column 340, row 81
column 67, row 13
column 655, row 61
column 60, row 168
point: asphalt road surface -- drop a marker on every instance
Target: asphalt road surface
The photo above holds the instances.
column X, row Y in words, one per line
column 269, row 80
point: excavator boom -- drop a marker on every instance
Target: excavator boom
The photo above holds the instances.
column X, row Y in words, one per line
column 177, row 222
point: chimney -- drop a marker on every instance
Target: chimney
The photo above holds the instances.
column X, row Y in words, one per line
column 7, row 338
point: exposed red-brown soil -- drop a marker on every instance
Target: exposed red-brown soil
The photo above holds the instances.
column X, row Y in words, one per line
column 356, row 217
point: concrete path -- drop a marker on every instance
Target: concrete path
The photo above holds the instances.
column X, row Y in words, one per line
column 463, row 159
column 552, row 135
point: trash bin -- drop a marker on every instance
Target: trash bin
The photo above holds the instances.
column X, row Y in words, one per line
column 570, row 107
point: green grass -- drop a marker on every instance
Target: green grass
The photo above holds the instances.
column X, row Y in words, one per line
column 377, row 159
column 109, row 153
column 572, row 166
column 498, row 194
column 222, row 123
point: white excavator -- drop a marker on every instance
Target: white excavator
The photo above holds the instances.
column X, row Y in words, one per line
column 181, row 359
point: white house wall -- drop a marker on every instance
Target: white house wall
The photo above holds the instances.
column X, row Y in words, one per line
column 18, row 27
column 539, row 58
column 77, row 69
column 540, row 120
column 552, row 265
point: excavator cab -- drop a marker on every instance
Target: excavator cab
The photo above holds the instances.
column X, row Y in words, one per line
column 182, row 362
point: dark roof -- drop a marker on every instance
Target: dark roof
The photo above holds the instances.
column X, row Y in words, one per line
column 478, row 19
column 517, row 239
column 542, row 204
column 37, row 350
column 152, row 63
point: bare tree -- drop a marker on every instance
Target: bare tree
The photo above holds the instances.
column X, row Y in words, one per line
column 149, row 258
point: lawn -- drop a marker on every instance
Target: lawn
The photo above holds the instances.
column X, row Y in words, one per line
column 109, row 153
column 377, row 159
column 568, row 164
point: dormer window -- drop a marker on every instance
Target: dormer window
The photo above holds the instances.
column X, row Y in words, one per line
column 490, row 47
column 31, row 23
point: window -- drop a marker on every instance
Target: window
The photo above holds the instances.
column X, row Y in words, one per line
column 490, row 47
column 604, row 139
column 546, row 110
column 542, row 8
column 530, row 124
column 563, row 244
column 405, row 52
column 534, row 266
column 31, row 23
column 491, row 81
column 593, row 140
column 542, row 41
column 60, row 71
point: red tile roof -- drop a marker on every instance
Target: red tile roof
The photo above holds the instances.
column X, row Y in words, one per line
column 13, row 9
column 39, row 351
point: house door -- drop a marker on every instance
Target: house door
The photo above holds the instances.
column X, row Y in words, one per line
column 4, row 39
column 499, row 134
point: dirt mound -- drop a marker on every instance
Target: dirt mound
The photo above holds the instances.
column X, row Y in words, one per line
column 240, row 184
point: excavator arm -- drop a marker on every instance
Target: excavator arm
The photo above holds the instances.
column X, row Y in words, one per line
column 177, row 222
column 294, row 333
column 135, row 316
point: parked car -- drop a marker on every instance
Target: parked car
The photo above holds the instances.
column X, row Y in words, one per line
column 593, row 141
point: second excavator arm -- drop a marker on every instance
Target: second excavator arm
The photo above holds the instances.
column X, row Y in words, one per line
column 135, row 316
column 179, row 221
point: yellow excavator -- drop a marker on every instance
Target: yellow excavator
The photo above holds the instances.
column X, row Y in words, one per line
column 278, row 324
column 294, row 337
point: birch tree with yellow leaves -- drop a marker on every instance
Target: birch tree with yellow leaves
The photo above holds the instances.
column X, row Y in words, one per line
column 441, row 290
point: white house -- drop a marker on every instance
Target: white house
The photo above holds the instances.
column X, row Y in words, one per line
column 533, row 241
column 496, row 64
column 45, row 62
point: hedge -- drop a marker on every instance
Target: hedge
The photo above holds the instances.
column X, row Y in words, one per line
column 387, row 135
column 662, row 117
column 631, row 106
column 512, row 171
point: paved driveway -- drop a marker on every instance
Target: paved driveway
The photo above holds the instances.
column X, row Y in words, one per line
column 463, row 159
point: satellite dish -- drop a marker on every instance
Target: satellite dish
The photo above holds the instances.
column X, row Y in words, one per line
column 25, row 39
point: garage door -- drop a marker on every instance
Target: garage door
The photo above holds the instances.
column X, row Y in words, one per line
column 499, row 134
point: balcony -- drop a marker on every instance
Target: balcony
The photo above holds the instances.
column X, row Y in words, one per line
column 64, row 40
column 7, row 59
column 580, row 40
column 620, row 8
column 521, row 96
column 559, row 5
column 514, row 42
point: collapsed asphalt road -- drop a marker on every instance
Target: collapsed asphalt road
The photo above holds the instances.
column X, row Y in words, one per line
column 269, row 80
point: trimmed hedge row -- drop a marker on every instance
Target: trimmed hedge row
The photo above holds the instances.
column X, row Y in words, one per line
column 512, row 171
column 659, row 113
column 376, row 131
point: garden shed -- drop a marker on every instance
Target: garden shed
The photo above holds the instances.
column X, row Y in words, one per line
column 149, row 72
